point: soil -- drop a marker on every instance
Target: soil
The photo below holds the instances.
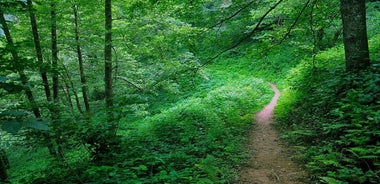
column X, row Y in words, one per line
column 271, row 161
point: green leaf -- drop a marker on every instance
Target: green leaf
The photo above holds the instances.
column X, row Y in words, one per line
column 330, row 180
column 143, row 167
column 13, row 113
column 36, row 124
column 11, row 126
column 10, row 87
column 14, row 126
column 3, row 79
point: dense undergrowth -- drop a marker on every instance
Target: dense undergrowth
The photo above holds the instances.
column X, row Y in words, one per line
column 192, row 135
column 193, row 130
column 332, row 118
column 197, row 139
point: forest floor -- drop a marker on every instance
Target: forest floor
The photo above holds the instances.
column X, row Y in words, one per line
column 271, row 161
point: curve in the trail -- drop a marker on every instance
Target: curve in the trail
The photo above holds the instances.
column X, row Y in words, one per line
column 271, row 162
column 266, row 114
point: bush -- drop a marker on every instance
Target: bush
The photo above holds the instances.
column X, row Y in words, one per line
column 337, row 121
column 198, row 140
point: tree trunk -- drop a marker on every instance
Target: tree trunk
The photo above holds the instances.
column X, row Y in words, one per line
column 54, row 51
column 73, row 89
column 355, row 34
column 37, row 46
column 80, row 61
column 16, row 67
column 65, row 89
column 108, row 66
column 24, row 79
column 55, row 111
column 103, row 146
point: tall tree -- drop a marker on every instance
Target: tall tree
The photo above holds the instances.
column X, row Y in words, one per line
column 43, row 73
column 37, row 46
column 80, row 60
column 17, row 67
column 108, row 65
column 355, row 34
column 54, row 51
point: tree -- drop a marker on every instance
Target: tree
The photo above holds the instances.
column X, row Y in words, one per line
column 54, row 51
column 108, row 65
column 16, row 66
column 83, row 79
column 355, row 34
column 42, row 69
column 37, row 45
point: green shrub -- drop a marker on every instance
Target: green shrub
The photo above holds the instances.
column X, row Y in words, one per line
column 336, row 121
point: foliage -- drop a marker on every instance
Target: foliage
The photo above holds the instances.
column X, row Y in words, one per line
column 179, row 123
column 331, row 117
column 334, row 121
column 198, row 140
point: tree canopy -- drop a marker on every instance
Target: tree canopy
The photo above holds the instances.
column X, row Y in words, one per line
column 144, row 91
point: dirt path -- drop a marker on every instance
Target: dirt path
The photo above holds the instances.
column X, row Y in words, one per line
column 271, row 163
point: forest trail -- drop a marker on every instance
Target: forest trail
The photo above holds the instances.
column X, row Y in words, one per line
column 271, row 162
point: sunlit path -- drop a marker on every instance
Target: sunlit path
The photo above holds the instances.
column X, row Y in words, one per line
column 270, row 162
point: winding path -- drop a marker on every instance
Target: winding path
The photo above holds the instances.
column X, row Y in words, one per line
column 271, row 162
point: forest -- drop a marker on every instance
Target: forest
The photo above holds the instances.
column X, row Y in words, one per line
column 164, row 91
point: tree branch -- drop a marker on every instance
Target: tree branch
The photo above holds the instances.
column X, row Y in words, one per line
column 231, row 16
column 294, row 23
column 130, row 83
column 210, row 60
column 290, row 28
